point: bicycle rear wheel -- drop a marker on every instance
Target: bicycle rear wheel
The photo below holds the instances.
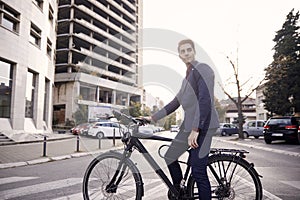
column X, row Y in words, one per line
column 231, row 177
column 109, row 176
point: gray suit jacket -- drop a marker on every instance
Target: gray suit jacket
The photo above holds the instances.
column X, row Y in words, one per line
column 196, row 96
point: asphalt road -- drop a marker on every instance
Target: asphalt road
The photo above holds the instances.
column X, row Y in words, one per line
column 63, row 179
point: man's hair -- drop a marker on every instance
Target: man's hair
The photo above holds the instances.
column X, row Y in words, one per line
column 186, row 41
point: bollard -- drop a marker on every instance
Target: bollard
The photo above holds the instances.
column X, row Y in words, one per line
column 114, row 138
column 99, row 143
column 77, row 145
column 45, row 146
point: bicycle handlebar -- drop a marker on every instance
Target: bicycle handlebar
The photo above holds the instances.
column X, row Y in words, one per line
column 122, row 116
column 139, row 122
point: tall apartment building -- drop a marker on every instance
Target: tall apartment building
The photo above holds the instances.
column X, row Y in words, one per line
column 97, row 56
column 27, row 65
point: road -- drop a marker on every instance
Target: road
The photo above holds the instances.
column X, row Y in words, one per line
column 62, row 179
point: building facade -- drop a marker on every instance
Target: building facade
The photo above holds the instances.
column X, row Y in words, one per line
column 231, row 114
column 261, row 112
column 97, row 56
column 27, row 65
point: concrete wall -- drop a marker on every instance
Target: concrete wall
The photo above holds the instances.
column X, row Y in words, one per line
column 16, row 48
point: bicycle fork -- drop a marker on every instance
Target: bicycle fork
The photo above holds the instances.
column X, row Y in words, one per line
column 116, row 179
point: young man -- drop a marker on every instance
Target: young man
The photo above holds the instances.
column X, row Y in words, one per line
column 196, row 96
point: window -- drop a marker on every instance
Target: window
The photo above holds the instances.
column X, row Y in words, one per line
column 251, row 124
column 35, row 35
column 6, row 77
column 9, row 18
column 51, row 14
column 38, row 3
column 87, row 93
column 260, row 124
column 30, row 96
column 49, row 47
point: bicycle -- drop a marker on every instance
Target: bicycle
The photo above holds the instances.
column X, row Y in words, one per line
column 113, row 175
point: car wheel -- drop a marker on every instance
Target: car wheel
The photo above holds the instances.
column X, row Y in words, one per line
column 268, row 140
column 223, row 133
column 100, row 135
column 256, row 137
column 298, row 138
column 245, row 135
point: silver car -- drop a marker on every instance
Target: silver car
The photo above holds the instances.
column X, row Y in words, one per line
column 254, row 128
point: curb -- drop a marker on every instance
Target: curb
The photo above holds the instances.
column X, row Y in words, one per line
column 261, row 148
column 54, row 158
column 38, row 141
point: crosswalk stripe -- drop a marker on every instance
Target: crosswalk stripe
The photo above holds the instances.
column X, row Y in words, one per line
column 295, row 184
column 42, row 187
column 153, row 193
column 156, row 192
column 14, row 179
column 154, row 188
column 77, row 196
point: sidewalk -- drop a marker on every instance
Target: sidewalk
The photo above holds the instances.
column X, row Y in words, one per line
column 64, row 146
column 58, row 147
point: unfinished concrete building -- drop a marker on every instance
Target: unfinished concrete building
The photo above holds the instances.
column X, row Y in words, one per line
column 97, row 56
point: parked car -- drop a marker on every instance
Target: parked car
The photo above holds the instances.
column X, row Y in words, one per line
column 105, row 129
column 227, row 129
column 81, row 129
column 174, row 128
column 282, row 128
column 253, row 128
column 146, row 130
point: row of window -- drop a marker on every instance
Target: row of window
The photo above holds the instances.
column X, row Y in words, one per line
column 6, row 82
column 10, row 19
column 40, row 4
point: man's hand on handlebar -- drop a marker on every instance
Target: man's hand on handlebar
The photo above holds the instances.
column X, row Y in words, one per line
column 144, row 120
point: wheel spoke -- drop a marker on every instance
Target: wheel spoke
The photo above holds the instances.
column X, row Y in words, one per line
column 100, row 174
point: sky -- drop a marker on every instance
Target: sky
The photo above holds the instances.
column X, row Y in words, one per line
column 242, row 30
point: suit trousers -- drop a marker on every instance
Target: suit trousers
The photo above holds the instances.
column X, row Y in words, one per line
column 198, row 160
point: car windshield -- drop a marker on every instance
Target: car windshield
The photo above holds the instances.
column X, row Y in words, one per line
column 279, row 121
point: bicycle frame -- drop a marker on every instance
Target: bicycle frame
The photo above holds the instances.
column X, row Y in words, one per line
column 135, row 142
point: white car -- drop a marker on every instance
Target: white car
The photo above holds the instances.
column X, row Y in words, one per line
column 105, row 129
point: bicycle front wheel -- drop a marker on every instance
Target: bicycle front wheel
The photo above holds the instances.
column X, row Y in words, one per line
column 109, row 176
column 231, row 177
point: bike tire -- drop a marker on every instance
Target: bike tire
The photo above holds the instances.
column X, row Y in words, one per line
column 245, row 183
column 100, row 172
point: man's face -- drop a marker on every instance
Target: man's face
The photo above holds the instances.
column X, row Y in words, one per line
column 187, row 53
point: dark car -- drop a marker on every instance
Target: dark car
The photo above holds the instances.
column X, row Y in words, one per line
column 282, row 128
column 227, row 129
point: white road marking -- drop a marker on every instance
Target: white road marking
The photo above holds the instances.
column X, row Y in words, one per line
column 295, row 184
column 14, row 179
column 159, row 191
column 42, row 187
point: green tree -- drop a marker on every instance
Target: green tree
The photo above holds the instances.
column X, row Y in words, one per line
column 282, row 89
column 146, row 111
column 81, row 114
column 170, row 120
column 220, row 110
column 135, row 109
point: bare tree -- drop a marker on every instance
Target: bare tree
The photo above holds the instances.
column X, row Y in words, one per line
column 239, row 101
